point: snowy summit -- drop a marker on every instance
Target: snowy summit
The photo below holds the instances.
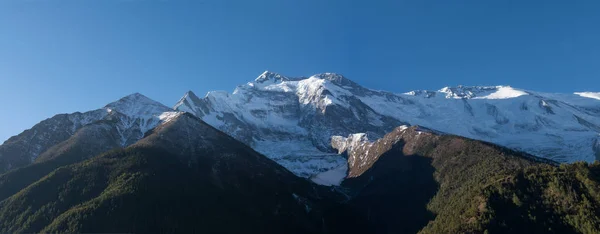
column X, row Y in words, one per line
column 294, row 119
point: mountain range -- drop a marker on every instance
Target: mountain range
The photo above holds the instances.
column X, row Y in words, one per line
column 318, row 154
column 293, row 120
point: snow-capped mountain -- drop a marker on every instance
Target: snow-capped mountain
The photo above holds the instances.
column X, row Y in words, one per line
column 129, row 118
column 136, row 114
column 293, row 119
column 304, row 123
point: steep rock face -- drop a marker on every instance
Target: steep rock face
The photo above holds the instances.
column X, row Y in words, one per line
column 289, row 118
column 131, row 117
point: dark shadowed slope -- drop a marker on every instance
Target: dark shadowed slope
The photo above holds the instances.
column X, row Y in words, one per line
column 414, row 179
column 131, row 117
column 90, row 140
column 184, row 177
column 24, row 148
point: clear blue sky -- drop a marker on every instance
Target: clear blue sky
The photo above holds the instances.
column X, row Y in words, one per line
column 60, row 56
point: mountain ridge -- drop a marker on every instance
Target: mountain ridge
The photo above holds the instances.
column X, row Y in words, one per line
column 308, row 111
column 293, row 119
column 131, row 116
column 170, row 180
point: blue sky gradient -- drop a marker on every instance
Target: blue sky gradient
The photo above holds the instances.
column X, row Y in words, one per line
column 60, row 56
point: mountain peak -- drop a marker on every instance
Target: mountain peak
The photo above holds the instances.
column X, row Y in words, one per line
column 137, row 104
column 134, row 97
column 190, row 94
column 467, row 92
column 336, row 79
column 268, row 75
